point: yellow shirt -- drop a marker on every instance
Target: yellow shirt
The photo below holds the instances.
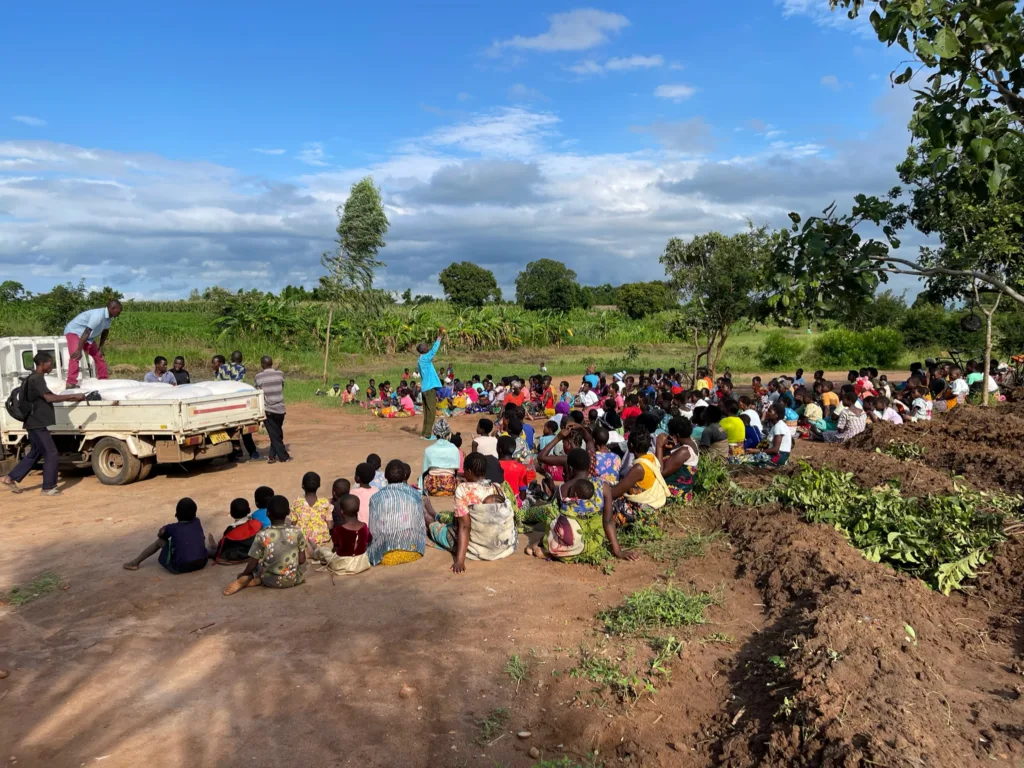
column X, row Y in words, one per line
column 735, row 429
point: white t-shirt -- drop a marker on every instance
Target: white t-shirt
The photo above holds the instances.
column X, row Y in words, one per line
column 355, row 388
column 755, row 420
column 702, row 403
column 959, row 387
column 780, row 428
column 589, row 398
column 487, row 445
column 922, row 409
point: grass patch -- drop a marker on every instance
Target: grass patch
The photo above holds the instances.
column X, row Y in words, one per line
column 718, row 637
column 564, row 761
column 657, row 608
column 45, row 582
column 492, row 725
column 608, row 675
column 675, row 549
column 517, row 669
column 712, row 477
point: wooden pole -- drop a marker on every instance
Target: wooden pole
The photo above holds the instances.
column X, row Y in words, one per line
column 327, row 346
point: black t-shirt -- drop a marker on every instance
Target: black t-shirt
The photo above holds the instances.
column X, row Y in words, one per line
column 494, row 471
column 937, row 387
column 42, row 415
column 181, row 377
column 612, row 419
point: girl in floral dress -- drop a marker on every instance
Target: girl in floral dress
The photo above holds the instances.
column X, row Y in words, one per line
column 311, row 513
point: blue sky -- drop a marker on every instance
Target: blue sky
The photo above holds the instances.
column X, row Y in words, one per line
column 160, row 149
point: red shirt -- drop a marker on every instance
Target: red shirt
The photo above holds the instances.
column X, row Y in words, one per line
column 348, row 542
column 515, row 399
column 516, row 475
column 631, row 412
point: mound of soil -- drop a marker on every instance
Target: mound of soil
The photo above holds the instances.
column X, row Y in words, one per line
column 976, row 443
column 872, row 469
column 862, row 665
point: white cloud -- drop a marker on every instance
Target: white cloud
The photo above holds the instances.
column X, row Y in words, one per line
column 677, row 92
column 35, row 122
column 495, row 187
column 462, row 96
column 523, row 94
column 513, row 131
column 575, row 30
column 617, row 64
column 831, row 82
column 268, row 151
column 819, row 12
column 312, row 153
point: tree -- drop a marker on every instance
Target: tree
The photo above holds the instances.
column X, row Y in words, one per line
column 12, row 291
column 549, row 284
column 973, row 51
column 103, row 297
column 466, row 284
column 362, row 225
column 407, row 296
column 641, row 299
column 602, row 295
column 719, row 276
column 884, row 310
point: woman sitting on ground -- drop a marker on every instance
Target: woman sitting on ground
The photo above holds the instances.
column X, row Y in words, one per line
column 396, row 519
column 677, row 454
column 484, row 524
column 580, row 518
column 441, row 463
column 642, row 489
column 780, row 441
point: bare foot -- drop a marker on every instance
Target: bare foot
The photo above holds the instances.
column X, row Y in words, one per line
column 534, row 550
column 131, row 566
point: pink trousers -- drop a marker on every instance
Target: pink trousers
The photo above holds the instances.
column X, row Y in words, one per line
column 89, row 348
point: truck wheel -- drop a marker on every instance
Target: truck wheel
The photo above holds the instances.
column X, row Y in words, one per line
column 113, row 463
column 148, row 465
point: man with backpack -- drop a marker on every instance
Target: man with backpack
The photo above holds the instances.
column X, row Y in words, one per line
column 33, row 403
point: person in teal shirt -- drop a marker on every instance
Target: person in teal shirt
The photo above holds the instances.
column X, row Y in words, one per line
column 430, row 383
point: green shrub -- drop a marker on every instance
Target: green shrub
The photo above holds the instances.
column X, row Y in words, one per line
column 779, row 351
column 881, row 347
column 839, row 349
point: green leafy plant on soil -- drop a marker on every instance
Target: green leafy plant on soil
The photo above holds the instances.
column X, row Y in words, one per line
column 608, row 674
column 590, row 761
column 643, row 530
column 902, row 450
column 492, row 725
column 666, row 649
column 718, row 637
column 657, row 608
column 941, row 540
column 45, row 582
column 712, row 477
column 517, row 669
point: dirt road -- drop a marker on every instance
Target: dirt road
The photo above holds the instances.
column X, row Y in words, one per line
column 148, row 668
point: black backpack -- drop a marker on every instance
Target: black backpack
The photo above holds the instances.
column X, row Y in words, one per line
column 17, row 405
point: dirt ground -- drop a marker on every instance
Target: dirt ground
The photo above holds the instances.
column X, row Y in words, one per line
column 397, row 667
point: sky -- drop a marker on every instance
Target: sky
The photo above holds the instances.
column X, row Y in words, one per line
column 159, row 148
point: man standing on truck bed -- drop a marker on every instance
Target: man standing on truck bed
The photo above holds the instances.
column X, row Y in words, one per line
column 82, row 334
column 40, row 399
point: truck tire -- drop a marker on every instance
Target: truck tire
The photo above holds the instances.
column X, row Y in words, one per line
column 113, row 463
column 148, row 465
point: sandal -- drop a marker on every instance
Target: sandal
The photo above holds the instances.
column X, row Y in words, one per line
column 241, row 583
column 13, row 487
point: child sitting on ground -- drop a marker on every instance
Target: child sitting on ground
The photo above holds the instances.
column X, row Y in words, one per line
column 262, row 497
column 517, row 476
column 238, row 537
column 182, row 544
column 339, row 488
column 485, row 442
column 278, row 555
column 350, row 537
column 378, row 481
column 885, row 412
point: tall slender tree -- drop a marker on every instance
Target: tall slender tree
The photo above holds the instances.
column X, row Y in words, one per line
column 362, row 225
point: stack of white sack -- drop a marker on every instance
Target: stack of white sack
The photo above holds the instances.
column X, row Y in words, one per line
column 128, row 390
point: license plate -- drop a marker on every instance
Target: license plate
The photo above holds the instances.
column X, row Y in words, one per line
column 219, row 437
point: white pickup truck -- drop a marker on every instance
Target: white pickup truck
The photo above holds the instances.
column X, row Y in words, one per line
column 122, row 440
